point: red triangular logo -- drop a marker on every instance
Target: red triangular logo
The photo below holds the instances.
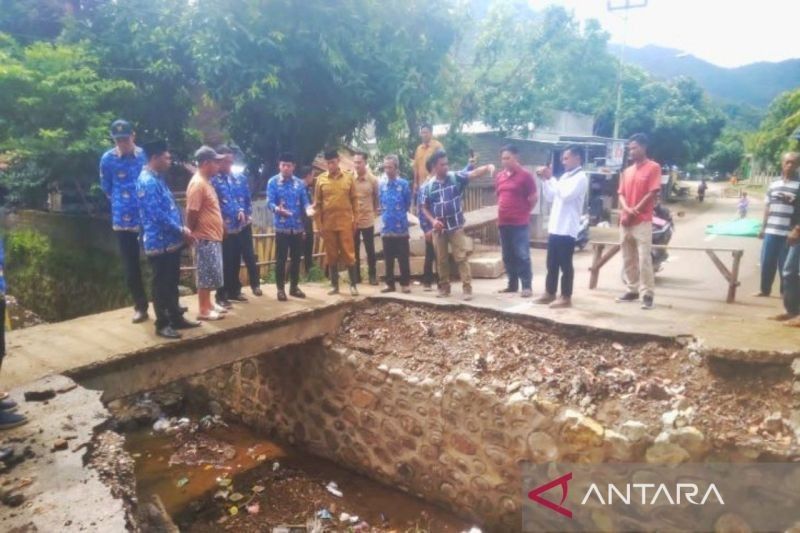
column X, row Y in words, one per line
column 562, row 481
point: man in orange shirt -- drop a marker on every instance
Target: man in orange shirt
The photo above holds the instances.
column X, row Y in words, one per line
column 424, row 151
column 639, row 186
column 204, row 219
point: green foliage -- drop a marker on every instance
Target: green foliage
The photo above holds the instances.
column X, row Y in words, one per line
column 727, row 152
column 773, row 137
column 58, row 282
column 54, row 114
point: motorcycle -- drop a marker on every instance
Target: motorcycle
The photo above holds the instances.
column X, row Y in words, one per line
column 583, row 233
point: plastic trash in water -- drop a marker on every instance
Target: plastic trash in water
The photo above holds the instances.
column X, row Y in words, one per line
column 161, row 425
column 348, row 518
column 275, row 466
column 324, row 514
column 333, row 488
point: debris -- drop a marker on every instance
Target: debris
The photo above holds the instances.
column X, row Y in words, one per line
column 59, row 444
column 13, row 499
column 261, row 458
column 224, row 481
column 182, row 482
column 773, row 423
column 233, row 510
column 348, row 519
column 275, row 466
column 161, row 425
column 333, row 488
column 324, row 514
column 221, row 494
column 253, row 508
column 617, row 346
column 258, row 489
column 39, row 395
column 236, row 497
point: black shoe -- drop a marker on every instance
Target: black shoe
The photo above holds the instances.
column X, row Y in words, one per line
column 296, row 292
column 647, row 302
column 282, row 295
column 182, row 308
column 628, row 297
column 238, row 298
column 168, row 333
column 507, row 290
column 225, row 303
column 139, row 317
column 373, row 280
column 8, row 405
column 257, row 291
column 10, row 420
column 185, row 323
column 388, row 288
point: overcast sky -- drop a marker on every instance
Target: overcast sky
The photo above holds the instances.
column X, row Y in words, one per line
column 728, row 33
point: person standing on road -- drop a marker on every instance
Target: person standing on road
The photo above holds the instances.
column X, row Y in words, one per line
column 119, row 169
column 307, row 175
column 204, row 218
column 8, row 418
column 442, row 206
column 423, row 153
column 568, row 194
column 743, row 205
column 367, row 207
column 791, row 269
column 163, row 238
column 233, row 218
column 639, row 187
column 395, row 201
column 336, row 205
column 427, row 231
column 287, row 199
column 516, row 198
column 778, row 212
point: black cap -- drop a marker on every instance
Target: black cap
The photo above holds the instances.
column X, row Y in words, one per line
column 154, row 148
column 206, row 153
column 121, row 128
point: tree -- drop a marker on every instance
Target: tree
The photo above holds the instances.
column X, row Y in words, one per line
column 773, row 137
column 727, row 152
column 55, row 109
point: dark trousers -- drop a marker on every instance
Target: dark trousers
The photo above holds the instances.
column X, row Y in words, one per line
column 430, row 259
column 791, row 281
column 369, row 245
column 231, row 263
column 166, row 271
column 249, row 255
column 516, row 244
column 773, row 256
column 397, row 248
column 129, row 251
column 308, row 245
column 288, row 245
column 560, row 249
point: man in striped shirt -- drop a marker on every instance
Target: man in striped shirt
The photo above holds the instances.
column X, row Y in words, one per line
column 778, row 213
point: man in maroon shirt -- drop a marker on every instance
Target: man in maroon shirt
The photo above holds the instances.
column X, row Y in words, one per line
column 639, row 186
column 516, row 197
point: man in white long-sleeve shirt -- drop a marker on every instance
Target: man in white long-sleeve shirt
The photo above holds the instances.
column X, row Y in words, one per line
column 567, row 194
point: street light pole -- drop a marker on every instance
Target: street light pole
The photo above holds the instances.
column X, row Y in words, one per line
column 624, row 6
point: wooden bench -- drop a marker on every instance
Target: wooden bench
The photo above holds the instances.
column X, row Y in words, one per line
column 601, row 256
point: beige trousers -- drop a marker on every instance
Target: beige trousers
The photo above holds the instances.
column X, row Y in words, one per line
column 458, row 247
column 635, row 245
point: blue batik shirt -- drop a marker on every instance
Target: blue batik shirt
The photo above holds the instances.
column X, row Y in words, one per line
column 162, row 228
column 395, row 198
column 226, row 186
column 443, row 198
column 2, row 272
column 290, row 194
column 241, row 189
column 118, row 175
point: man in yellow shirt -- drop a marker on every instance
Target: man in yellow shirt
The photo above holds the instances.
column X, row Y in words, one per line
column 335, row 204
column 424, row 151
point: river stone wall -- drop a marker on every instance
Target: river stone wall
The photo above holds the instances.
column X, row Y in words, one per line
column 446, row 440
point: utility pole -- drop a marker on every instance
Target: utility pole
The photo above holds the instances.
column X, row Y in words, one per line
column 624, row 6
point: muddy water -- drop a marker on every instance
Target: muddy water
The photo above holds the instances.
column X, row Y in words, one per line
column 279, row 485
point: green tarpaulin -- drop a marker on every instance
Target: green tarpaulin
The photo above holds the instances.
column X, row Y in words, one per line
column 741, row 227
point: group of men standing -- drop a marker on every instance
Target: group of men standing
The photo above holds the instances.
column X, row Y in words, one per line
column 144, row 213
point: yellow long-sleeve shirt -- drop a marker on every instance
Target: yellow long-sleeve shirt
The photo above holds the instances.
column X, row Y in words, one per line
column 335, row 201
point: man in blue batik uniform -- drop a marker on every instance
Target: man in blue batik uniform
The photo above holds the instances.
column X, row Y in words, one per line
column 287, row 199
column 119, row 169
column 8, row 418
column 395, row 201
column 233, row 218
column 163, row 237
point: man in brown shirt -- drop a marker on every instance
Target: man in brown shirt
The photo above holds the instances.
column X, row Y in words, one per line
column 204, row 219
column 335, row 207
column 366, row 210
column 424, row 151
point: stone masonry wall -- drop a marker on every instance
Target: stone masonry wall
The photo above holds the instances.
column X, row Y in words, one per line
column 446, row 440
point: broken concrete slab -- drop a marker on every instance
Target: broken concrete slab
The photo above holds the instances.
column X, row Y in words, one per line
column 486, row 267
column 56, row 491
